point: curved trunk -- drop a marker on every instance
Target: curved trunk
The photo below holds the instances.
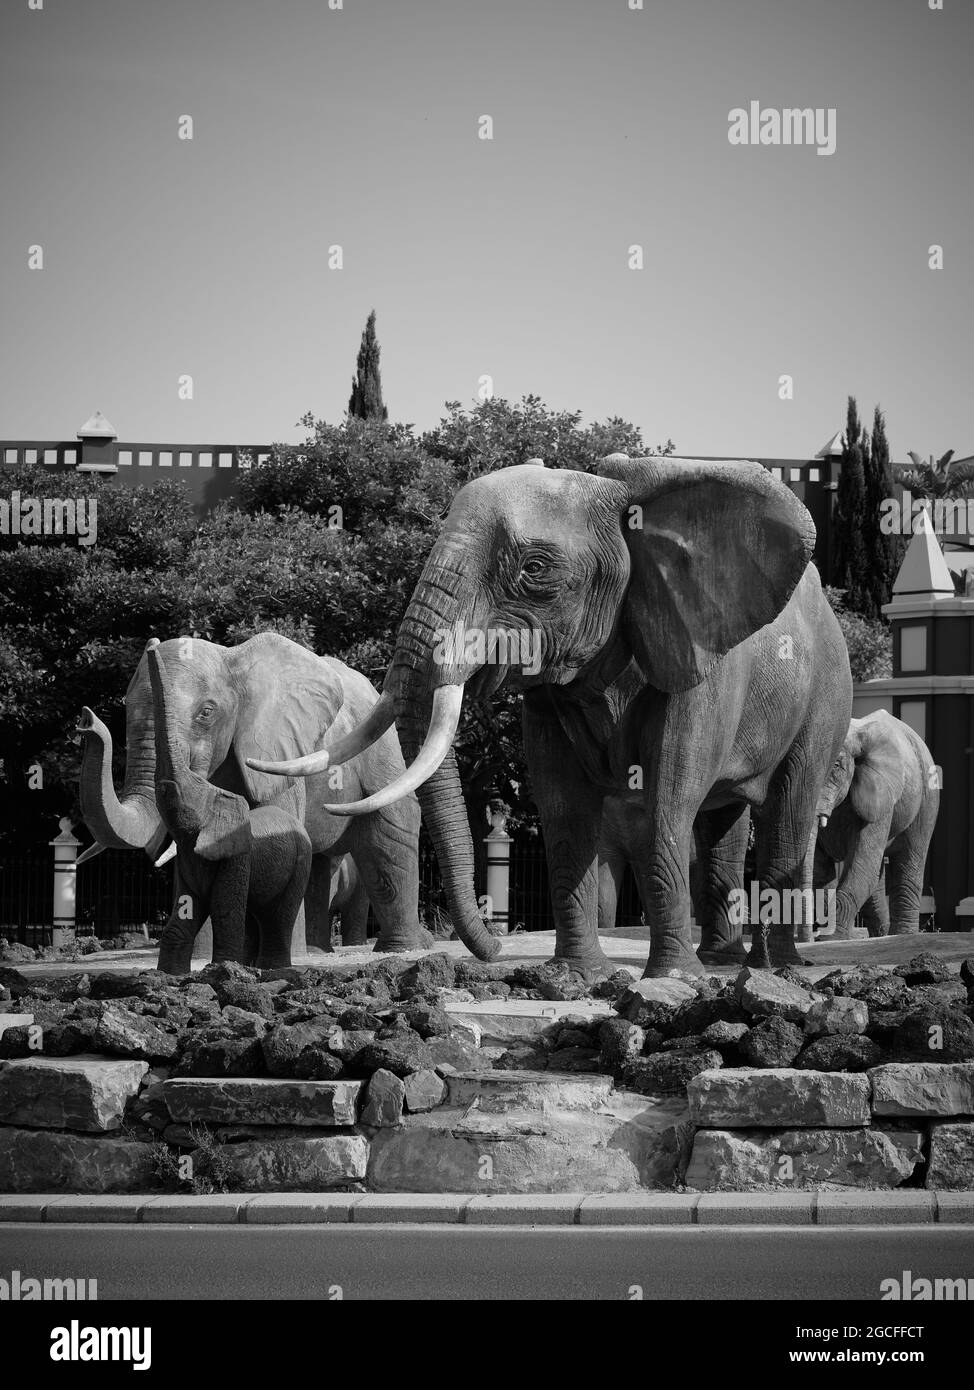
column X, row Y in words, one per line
column 129, row 821
column 434, row 608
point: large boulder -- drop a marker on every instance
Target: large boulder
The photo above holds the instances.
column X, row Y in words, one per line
column 668, row 1073
column 836, row 1014
column 924, row 969
column 384, row 1099
column 951, row 1164
column 840, row 1052
column 216, row 1052
column 84, row 1093
column 312, row 1163
column 801, row 1159
column 876, row 985
column 775, row 1042
column 934, row 1035
column 122, row 1033
column 402, row 1053
column 784, row 1098
column 620, row 1041
column 424, row 1090
column 303, row 1049
column 427, row 975
column 767, row 995
column 652, row 1003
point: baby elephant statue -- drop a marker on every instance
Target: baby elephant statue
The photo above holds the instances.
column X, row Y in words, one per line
column 234, row 862
column 880, row 800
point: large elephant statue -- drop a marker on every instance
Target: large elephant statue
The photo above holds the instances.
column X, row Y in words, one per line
column 238, row 866
column 716, row 872
column 671, row 636
column 268, row 697
column 880, row 800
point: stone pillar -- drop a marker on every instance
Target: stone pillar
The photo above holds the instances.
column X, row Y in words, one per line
column 498, row 844
column 65, row 848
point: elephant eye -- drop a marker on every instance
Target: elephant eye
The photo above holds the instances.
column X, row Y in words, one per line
column 534, row 569
column 205, row 711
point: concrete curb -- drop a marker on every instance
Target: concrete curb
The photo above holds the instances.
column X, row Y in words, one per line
column 896, row 1208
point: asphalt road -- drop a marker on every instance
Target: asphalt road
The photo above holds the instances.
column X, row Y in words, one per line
column 460, row 1262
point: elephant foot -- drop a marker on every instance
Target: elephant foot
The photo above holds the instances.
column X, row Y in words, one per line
column 910, row 929
column 770, row 952
column 878, row 931
column 674, row 965
column 593, row 967
column 418, row 940
column 172, row 963
column 728, row 953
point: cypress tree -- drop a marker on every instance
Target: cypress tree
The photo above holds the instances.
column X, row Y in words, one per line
column 884, row 553
column 365, row 402
column 851, row 559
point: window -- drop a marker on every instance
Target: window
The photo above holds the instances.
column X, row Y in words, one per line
column 145, row 458
column 795, row 475
column 165, row 459
column 50, row 456
column 124, row 457
column 913, row 648
column 10, row 455
column 185, row 459
column 30, row 456
column 71, row 456
column 776, row 472
column 814, row 474
column 224, row 460
column 206, row 460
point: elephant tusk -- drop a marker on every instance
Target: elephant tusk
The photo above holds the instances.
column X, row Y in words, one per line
column 822, row 822
column 91, row 852
column 447, row 703
column 381, row 717
column 166, row 855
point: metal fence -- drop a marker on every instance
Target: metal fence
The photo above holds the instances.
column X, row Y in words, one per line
column 121, row 891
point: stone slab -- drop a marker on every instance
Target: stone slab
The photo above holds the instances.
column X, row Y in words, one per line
column 262, row 1101
column 106, row 1210
column 416, row 1207
column 503, row 1021
column 313, row 1164
column 638, row 1209
column 756, row 1209
column 299, row 1208
column 923, row 1088
column 780, row 1097
column 45, row 1160
column 951, row 1164
column 741, row 1160
column 534, row 1209
column 14, row 1021
column 80, row 1093
column 496, row 1091
column 955, row 1208
column 215, row 1209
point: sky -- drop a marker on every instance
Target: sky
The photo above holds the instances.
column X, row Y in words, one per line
column 505, row 258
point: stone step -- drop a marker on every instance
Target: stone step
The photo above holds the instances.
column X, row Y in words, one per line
column 81, row 1093
column 634, row 1142
column 261, row 1101
column 503, row 1021
column 496, row 1091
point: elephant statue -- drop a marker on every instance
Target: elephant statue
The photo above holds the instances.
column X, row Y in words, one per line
column 880, row 800
column 268, row 697
column 714, row 874
column 237, row 865
column 670, row 637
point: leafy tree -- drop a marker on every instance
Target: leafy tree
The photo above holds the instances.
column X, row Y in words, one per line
column 852, row 563
column 942, row 478
column 869, row 640
column 365, row 402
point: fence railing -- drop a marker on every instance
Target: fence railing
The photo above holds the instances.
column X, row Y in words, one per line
column 121, row 891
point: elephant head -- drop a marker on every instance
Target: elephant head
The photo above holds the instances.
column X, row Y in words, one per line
column 868, row 775
column 567, row 577
column 268, row 697
column 215, row 823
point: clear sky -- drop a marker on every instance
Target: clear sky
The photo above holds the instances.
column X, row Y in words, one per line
column 508, row 257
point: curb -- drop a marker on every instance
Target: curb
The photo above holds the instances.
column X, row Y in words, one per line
column 845, row 1208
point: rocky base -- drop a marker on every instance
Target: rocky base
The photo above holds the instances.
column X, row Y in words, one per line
column 444, row 1075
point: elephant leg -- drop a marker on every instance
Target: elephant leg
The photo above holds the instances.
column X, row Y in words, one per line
column 875, row 910
column 355, row 916
column 905, row 886
column 277, row 920
column 570, row 808
column 721, row 837
column 186, row 917
column 317, row 907
column 251, row 940
column 784, row 840
column 384, row 846
column 228, row 908
column 806, row 925
column 612, row 867
column 861, row 872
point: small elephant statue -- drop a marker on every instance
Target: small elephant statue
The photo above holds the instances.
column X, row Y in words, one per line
column 236, row 865
column 880, row 800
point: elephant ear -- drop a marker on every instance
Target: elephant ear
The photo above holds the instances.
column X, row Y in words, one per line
column 288, row 700
column 227, row 832
column 716, row 550
column 877, row 782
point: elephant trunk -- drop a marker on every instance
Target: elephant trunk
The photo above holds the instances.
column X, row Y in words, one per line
column 171, row 763
column 440, row 796
column 127, row 822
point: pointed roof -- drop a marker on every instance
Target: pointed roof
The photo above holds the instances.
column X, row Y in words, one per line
column 833, row 448
column 97, row 427
column 924, row 569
